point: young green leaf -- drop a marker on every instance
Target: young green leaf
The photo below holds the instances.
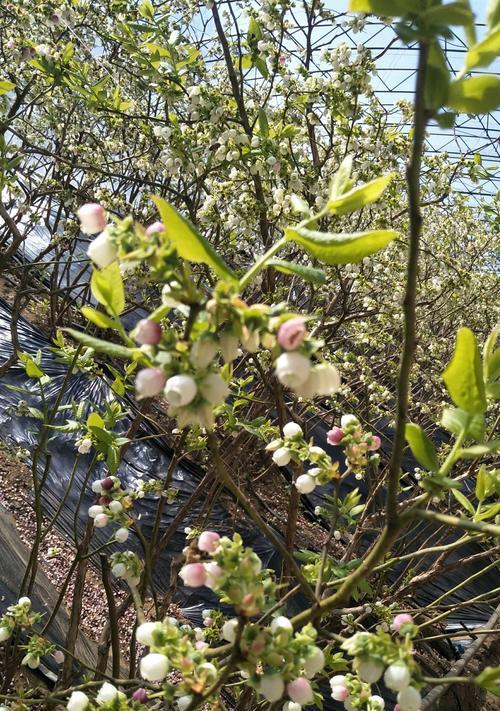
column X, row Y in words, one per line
column 493, row 13
column 489, row 679
column 315, row 276
column 463, row 377
column 6, row 86
column 454, row 13
column 112, row 349
column 477, row 95
column 107, row 288
column 98, row 318
column 341, row 178
column 480, row 450
column 422, row 447
column 188, row 242
column 463, row 501
column 437, row 78
column 340, row 248
column 484, row 52
column 358, row 197
column 455, row 420
column 386, row 8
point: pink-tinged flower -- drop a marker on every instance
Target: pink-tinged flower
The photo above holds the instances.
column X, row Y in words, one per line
column 193, row 575
column 292, row 333
column 140, row 695
column 92, row 218
column 402, row 619
column 101, row 520
column 300, row 691
column 376, row 442
column 155, row 227
column 149, row 382
column 213, row 573
column 147, row 332
column 58, row 656
column 339, row 692
column 208, row 541
column 335, row 436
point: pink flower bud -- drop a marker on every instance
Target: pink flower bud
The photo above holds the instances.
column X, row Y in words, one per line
column 107, row 483
column 400, row 620
column 213, row 572
column 291, row 333
column 140, row 695
column 104, row 500
column 147, row 332
column 101, row 520
column 92, row 218
column 339, row 692
column 155, row 227
column 193, row 575
column 149, row 382
column 208, row 541
column 334, row 436
column 58, row 656
column 208, row 621
column 375, row 444
column 300, row 691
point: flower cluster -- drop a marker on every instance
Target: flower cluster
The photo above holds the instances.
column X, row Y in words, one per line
column 293, row 447
column 126, row 565
column 112, row 505
column 20, row 615
column 358, row 445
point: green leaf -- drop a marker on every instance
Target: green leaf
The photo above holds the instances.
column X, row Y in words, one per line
column 463, row 501
column 485, row 484
column 159, row 313
column 437, row 79
column 484, row 52
column 340, row 248
column 480, row 450
column 463, row 377
column 263, row 123
column 95, row 420
column 358, row 197
column 146, row 9
column 6, row 86
column 446, row 119
column 341, row 178
column 299, row 205
column 315, row 276
column 30, row 366
column 261, row 66
column 421, row 446
column 254, row 31
column 110, row 349
column 188, row 242
column 455, row 420
column 489, row 679
column 477, row 95
column 455, row 13
column 386, row 8
column 107, row 288
column 491, row 357
column 493, row 13
column 98, row 318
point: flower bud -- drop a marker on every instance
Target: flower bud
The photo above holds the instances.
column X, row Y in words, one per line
column 213, row 572
column 314, row 663
column 300, row 691
column 5, row 633
column 85, row 446
column 122, row 535
column 310, row 388
column 214, row 389
column 95, row 510
column 305, row 483
column 228, row 631
column 115, row 507
column 78, row 701
column 292, row 369
column 193, row 575
column 281, row 625
column 274, row 445
column 208, row 541
column 282, row 456
column 154, row 667
column 92, row 218
column 147, row 332
column 376, row 442
column 369, row 671
column 58, row 656
column 97, row 487
column 292, row 429
column 101, row 520
column 335, row 436
column 400, row 621
column 292, row 333
column 328, row 379
column 119, row 570
column 272, row 687
column 104, row 500
column 397, row 676
column 203, row 352
column 250, row 340
column 140, row 695
column 106, row 694
column 347, row 420
column 376, row 703
column 339, row 692
column 102, row 251
column 180, row 390
column 409, row 699
column 291, row 706
column 149, row 382
column 107, row 483
column 25, row 602
column 144, row 633
column 155, row 227
column 229, row 347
